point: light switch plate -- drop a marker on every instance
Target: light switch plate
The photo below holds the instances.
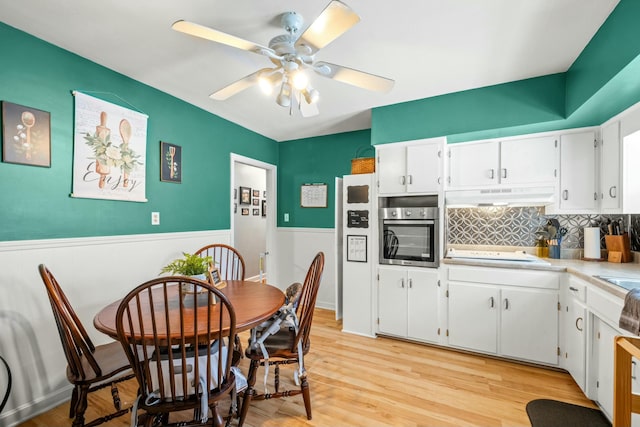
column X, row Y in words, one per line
column 155, row 218
column 286, row 217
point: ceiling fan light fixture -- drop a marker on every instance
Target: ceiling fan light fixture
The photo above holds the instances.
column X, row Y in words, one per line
column 267, row 81
column 299, row 79
column 284, row 97
column 311, row 95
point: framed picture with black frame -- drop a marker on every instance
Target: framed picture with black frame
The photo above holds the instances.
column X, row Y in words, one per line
column 26, row 135
column 245, row 195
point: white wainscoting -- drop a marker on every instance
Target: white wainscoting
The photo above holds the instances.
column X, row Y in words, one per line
column 92, row 271
column 296, row 249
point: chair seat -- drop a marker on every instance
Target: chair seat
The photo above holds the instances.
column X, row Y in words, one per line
column 280, row 344
column 111, row 359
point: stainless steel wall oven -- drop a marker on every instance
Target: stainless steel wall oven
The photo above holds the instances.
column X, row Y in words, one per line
column 409, row 235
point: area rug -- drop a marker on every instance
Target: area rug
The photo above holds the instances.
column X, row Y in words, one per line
column 551, row 413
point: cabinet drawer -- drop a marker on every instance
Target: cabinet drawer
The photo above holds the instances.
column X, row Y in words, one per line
column 605, row 305
column 506, row 277
column 577, row 289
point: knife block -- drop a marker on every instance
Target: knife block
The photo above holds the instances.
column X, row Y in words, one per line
column 619, row 248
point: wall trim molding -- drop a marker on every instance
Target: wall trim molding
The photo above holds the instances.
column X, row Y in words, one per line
column 106, row 240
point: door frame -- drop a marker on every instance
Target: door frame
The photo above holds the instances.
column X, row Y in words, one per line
column 272, row 208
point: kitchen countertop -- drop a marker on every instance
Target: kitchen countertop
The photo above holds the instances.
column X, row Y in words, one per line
column 585, row 270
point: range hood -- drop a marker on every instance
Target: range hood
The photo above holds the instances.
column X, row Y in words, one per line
column 517, row 196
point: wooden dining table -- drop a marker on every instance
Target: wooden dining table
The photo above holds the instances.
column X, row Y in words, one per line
column 253, row 302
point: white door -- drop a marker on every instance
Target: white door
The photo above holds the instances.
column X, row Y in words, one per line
column 610, row 191
column 392, row 301
column 423, row 305
column 423, row 168
column 473, row 316
column 529, row 161
column 603, row 348
column 391, row 169
column 577, row 172
column 473, row 165
column 529, row 324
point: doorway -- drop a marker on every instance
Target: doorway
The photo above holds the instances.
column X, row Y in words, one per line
column 253, row 215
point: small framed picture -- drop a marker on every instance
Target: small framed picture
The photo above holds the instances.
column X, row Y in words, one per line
column 256, row 193
column 256, row 202
column 264, row 194
column 235, row 194
column 264, row 208
column 26, row 135
column 235, row 208
column 245, row 211
column 256, row 212
column 170, row 162
column 215, row 279
column 245, row 195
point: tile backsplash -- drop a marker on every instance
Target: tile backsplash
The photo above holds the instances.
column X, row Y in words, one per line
column 510, row 226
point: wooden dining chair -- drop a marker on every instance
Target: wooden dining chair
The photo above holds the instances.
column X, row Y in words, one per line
column 89, row 367
column 178, row 351
column 227, row 259
column 287, row 345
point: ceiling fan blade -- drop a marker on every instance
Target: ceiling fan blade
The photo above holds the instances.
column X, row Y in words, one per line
column 238, row 86
column 334, row 21
column 354, row 77
column 201, row 31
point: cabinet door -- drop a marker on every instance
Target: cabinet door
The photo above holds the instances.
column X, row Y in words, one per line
column 473, row 316
column 423, row 305
column 392, row 305
column 529, row 161
column 575, row 340
column 529, row 324
column 603, row 349
column 474, row 165
column 577, row 172
column 391, row 169
column 423, row 168
column 610, row 173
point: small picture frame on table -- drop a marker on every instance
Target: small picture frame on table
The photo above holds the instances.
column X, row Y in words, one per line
column 215, row 279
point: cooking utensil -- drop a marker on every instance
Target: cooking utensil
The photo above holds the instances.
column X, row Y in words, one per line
column 125, row 133
column 28, row 120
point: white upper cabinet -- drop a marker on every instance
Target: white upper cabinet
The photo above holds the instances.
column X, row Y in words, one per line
column 513, row 162
column 577, row 190
column 610, row 191
column 414, row 167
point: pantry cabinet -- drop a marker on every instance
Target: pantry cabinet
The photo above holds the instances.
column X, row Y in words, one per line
column 408, row 300
column 414, row 167
column 510, row 162
column 504, row 312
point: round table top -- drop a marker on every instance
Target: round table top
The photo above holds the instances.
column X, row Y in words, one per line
column 254, row 302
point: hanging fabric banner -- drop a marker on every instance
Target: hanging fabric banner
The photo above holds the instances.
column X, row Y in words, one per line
column 109, row 154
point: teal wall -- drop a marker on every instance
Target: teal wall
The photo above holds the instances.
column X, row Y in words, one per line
column 315, row 160
column 601, row 83
column 35, row 202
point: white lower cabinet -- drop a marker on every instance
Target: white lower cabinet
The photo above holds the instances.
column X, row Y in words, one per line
column 408, row 301
column 573, row 331
column 504, row 312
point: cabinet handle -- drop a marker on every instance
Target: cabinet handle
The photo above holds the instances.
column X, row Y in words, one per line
column 491, row 302
column 491, row 173
column 439, row 180
column 403, row 180
column 504, row 172
column 409, row 179
column 613, row 192
column 410, row 283
column 571, row 288
column 565, row 195
column 633, row 369
column 402, row 282
column 506, row 303
column 595, row 196
column 579, row 324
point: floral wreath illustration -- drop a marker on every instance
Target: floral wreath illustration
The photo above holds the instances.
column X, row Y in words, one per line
column 108, row 155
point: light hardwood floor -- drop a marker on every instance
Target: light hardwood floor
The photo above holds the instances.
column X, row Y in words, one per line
column 358, row 381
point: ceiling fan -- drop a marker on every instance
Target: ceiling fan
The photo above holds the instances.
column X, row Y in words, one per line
column 293, row 55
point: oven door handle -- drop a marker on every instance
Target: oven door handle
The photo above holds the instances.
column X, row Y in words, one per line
column 408, row 222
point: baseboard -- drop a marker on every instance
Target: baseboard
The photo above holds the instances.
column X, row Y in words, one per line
column 36, row 407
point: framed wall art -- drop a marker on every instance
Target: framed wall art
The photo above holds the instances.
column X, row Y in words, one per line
column 256, row 212
column 256, row 202
column 245, row 211
column 256, row 193
column 170, row 162
column 245, row 195
column 26, row 135
column 264, row 208
column 313, row 195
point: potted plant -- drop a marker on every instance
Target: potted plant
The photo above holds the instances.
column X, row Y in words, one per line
column 192, row 265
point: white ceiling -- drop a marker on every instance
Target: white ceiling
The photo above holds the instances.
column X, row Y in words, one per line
column 429, row 47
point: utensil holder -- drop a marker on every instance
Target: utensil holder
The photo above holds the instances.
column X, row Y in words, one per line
column 554, row 251
column 618, row 247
